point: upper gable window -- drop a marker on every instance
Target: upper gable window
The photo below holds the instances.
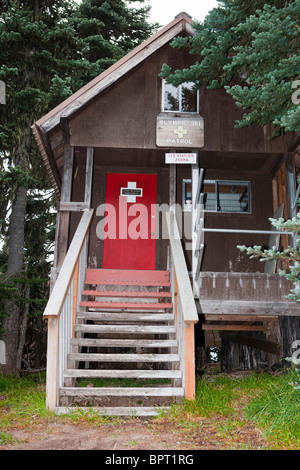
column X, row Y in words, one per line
column 182, row 99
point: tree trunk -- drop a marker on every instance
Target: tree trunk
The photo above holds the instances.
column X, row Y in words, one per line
column 16, row 235
column 11, row 323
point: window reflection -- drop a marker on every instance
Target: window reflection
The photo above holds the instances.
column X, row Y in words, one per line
column 220, row 196
column 171, row 98
column 189, row 98
column 183, row 99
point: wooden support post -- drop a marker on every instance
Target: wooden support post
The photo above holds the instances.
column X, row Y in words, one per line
column 190, row 373
column 172, row 188
column 89, row 176
column 175, row 298
column 63, row 236
column 273, row 334
column 75, row 293
column 52, row 364
column 195, row 255
column 177, row 382
column 253, row 342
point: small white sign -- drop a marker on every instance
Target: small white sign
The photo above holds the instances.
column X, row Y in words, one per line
column 131, row 192
column 2, row 353
column 181, row 158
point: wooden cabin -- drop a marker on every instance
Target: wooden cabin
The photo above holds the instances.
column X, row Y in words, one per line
column 156, row 189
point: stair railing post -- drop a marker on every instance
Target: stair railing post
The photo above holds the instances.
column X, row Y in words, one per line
column 189, row 357
column 75, row 294
column 52, row 364
column 60, row 311
column 185, row 308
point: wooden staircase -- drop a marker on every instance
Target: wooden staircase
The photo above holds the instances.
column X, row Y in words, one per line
column 124, row 332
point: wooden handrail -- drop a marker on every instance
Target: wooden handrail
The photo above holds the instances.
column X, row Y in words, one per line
column 186, row 296
column 61, row 286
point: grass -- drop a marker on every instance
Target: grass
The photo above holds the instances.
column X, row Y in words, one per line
column 227, row 407
column 269, row 402
column 277, row 410
column 22, row 404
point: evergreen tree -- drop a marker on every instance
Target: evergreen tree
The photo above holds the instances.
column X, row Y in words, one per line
column 48, row 50
column 289, row 256
column 110, row 29
column 252, row 50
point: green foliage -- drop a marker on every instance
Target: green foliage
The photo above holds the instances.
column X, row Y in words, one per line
column 23, row 399
column 224, row 406
column 277, row 409
column 252, row 50
column 109, row 29
column 290, row 254
column 295, row 363
column 48, row 50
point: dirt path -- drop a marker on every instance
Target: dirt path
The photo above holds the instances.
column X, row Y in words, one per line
column 137, row 434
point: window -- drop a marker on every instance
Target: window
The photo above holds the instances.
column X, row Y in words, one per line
column 220, row 196
column 182, row 99
column 187, row 195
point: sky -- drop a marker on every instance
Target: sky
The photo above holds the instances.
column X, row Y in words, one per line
column 164, row 11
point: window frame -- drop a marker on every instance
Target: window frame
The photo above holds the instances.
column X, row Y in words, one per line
column 216, row 182
column 180, row 101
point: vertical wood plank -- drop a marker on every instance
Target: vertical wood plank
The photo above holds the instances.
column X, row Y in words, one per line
column 63, row 236
column 52, row 365
column 195, row 182
column 68, row 174
column 273, row 334
column 75, row 294
column 190, row 379
column 172, row 186
column 275, row 194
column 89, row 176
column 177, row 382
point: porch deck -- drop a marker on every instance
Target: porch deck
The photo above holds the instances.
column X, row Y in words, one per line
column 251, row 294
column 247, row 310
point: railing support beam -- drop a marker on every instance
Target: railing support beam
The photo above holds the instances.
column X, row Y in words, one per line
column 61, row 300
column 190, row 378
column 52, row 364
column 185, row 308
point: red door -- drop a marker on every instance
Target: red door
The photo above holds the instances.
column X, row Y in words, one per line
column 130, row 229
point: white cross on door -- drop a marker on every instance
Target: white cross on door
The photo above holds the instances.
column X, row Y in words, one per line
column 131, row 192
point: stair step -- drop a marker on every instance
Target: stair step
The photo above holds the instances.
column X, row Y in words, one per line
column 114, row 411
column 123, row 373
column 126, row 305
column 95, row 357
column 124, row 343
column 125, row 329
column 122, row 391
column 124, row 316
column 126, row 293
column 127, row 277
column 120, row 313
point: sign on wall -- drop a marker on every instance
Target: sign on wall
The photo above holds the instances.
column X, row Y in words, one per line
column 180, row 132
column 181, row 158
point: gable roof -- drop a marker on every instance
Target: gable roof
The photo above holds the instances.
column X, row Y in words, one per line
column 41, row 128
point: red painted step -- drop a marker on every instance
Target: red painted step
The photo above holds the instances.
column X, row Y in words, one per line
column 127, row 277
column 130, row 305
column 130, row 293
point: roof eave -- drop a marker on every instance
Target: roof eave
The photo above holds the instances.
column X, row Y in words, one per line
column 181, row 23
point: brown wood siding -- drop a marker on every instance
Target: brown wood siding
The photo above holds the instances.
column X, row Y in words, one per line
column 221, row 254
column 124, row 116
column 106, row 161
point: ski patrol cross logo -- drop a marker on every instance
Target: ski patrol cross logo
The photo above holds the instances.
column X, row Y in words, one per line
column 180, row 132
column 131, row 192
